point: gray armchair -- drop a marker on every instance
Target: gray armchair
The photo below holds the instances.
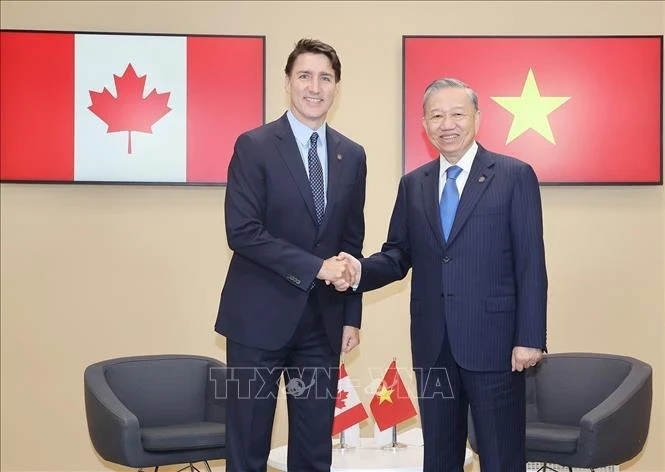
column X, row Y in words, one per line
column 148, row 411
column 585, row 410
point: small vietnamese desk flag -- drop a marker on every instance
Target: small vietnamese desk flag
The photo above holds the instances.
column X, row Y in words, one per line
column 391, row 403
column 560, row 104
column 348, row 408
column 125, row 107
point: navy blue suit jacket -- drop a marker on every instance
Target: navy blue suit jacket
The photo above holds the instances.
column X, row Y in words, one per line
column 277, row 246
column 487, row 286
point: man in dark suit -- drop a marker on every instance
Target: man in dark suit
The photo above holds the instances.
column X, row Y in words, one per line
column 295, row 199
column 470, row 226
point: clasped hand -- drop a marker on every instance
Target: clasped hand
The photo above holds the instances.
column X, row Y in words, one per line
column 342, row 271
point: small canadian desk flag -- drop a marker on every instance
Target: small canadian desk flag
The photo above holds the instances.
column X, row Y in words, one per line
column 348, row 408
column 391, row 403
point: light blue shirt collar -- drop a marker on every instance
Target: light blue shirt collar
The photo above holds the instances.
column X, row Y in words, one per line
column 303, row 132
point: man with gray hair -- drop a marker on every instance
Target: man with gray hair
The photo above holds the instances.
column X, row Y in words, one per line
column 469, row 224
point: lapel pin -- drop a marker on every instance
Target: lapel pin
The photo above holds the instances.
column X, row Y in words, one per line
column 482, row 179
column 339, row 157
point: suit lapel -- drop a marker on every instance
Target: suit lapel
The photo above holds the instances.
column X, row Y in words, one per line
column 430, row 186
column 288, row 149
column 335, row 163
column 479, row 180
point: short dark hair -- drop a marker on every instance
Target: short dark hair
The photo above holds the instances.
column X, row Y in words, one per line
column 314, row 46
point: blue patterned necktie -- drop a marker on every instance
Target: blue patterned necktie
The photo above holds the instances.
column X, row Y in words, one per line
column 449, row 200
column 316, row 178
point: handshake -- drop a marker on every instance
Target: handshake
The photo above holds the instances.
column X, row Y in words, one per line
column 342, row 271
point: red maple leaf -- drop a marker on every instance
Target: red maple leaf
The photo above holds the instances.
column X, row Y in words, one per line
column 129, row 111
column 340, row 402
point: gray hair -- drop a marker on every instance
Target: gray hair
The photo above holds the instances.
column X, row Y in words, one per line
column 450, row 83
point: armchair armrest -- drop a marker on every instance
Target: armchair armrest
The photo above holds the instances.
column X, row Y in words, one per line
column 628, row 410
column 114, row 429
column 216, row 392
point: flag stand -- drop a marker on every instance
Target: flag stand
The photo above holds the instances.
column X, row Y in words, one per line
column 343, row 446
column 394, row 445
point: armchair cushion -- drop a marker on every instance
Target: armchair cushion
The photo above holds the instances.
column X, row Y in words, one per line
column 552, row 437
column 200, row 435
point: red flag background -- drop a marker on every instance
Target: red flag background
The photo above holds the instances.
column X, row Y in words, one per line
column 607, row 131
column 391, row 403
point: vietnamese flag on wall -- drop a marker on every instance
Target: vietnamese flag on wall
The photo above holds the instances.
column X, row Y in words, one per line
column 578, row 109
column 391, row 404
column 126, row 107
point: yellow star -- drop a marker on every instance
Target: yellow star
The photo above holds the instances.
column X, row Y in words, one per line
column 530, row 110
column 385, row 394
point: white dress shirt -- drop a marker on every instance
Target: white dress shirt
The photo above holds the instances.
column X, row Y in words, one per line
column 464, row 163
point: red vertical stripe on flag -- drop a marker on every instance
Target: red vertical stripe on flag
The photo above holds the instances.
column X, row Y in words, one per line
column 224, row 99
column 36, row 106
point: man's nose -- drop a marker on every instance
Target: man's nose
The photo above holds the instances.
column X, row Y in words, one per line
column 447, row 122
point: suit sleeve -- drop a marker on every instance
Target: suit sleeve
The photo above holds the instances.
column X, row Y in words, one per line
column 245, row 207
column 394, row 260
column 526, row 225
column 352, row 241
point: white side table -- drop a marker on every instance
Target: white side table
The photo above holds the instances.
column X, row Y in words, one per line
column 368, row 458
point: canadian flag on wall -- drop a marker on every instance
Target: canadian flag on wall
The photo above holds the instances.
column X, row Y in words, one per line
column 126, row 108
column 348, row 408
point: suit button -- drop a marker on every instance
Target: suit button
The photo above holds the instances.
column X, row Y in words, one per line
column 446, row 260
